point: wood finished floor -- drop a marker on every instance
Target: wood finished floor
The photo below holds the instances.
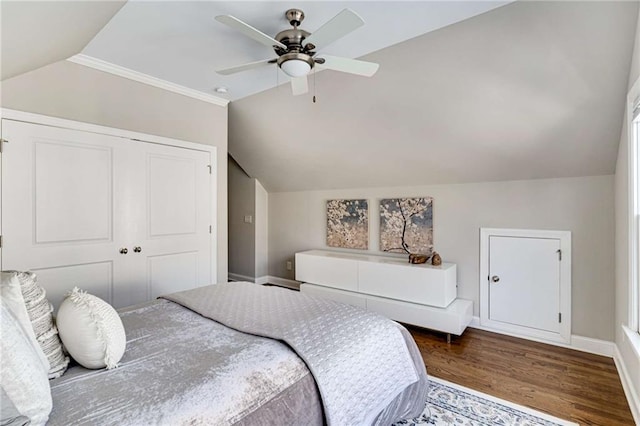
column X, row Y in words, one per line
column 569, row 384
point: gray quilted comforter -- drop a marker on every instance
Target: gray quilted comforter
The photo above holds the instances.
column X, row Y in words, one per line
column 366, row 370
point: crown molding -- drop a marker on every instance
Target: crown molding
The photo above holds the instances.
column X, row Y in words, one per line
column 98, row 64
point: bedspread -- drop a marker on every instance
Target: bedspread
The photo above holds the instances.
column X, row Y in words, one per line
column 182, row 369
column 360, row 360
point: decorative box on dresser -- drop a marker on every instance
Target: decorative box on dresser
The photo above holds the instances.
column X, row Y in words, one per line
column 422, row 295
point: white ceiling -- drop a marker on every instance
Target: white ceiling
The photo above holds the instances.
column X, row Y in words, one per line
column 529, row 90
column 179, row 41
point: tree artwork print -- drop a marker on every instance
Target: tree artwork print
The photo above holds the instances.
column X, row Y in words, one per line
column 348, row 224
column 406, row 225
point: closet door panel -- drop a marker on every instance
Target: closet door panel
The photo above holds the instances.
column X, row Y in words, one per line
column 173, row 203
column 58, row 207
column 83, row 212
column 95, row 278
column 173, row 232
column 172, row 272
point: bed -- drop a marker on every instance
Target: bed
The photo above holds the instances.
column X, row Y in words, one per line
column 281, row 358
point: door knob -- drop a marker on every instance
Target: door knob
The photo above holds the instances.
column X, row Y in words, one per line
column 124, row 250
column 495, row 278
column 137, row 249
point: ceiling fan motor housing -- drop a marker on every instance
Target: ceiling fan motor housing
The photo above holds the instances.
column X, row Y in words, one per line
column 293, row 39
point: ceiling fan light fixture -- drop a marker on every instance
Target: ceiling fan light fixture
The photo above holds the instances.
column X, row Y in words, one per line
column 295, row 68
column 295, row 64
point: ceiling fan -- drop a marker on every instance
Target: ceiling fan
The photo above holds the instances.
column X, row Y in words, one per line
column 296, row 48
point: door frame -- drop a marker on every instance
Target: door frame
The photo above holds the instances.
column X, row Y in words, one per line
column 565, row 285
column 45, row 120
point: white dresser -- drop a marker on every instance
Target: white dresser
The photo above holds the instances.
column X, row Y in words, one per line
column 422, row 295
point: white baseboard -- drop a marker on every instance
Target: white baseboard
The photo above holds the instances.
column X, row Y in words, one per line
column 579, row 343
column 266, row 279
column 238, row 277
column 284, row 282
column 262, row 280
column 627, row 385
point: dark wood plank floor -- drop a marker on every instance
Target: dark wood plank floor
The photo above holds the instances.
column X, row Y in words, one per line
column 569, row 384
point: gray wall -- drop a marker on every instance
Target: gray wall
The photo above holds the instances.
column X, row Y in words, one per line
column 584, row 206
column 242, row 190
column 67, row 90
column 623, row 284
column 262, row 231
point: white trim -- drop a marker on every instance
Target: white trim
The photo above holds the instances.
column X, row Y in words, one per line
column 266, row 279
column 564, row 336
column 634, row 296
column 578, row 343
column 501, row 401
column 627, row 385
column 262, row 280
column 45, row 120
column 99, row 64
column 284, row 282
column 239, row 277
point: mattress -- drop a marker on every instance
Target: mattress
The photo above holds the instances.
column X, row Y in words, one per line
column 182, row 368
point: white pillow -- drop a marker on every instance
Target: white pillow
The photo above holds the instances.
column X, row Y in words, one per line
column 11, row 292
column 24, row 374
column 39, row 311
column 91, row 330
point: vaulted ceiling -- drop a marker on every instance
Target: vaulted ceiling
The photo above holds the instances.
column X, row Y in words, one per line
column 466, row 91
column 39, row 33
column 529, row 90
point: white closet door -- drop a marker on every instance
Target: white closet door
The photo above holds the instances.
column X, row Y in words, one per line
column 524, row 288
column 76, row 206
column 525, row 283
column 170, row 236
column 58, row 207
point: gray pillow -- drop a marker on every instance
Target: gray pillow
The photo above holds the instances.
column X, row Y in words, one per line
column 9, row 415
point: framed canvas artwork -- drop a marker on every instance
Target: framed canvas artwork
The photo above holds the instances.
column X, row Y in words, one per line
column 348, row 224
column 406, row 225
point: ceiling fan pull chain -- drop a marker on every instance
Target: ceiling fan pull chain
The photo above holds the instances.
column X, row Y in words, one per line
column 314, row 87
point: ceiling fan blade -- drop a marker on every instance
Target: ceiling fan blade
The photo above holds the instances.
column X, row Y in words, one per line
column 245, row 67
column 299, row 85
column 352, row 66
column 249, row 31
column 339, row 26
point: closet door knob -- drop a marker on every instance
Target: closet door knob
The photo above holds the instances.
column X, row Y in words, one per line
column 137, row 249
column 495, row 278
column 124, row 250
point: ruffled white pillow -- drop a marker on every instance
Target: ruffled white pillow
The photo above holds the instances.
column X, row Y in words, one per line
column 91, row 330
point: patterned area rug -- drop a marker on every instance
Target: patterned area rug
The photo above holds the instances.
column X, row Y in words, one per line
column 451, row 404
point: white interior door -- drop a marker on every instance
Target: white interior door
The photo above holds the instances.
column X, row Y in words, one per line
column 172, row 235
column 525, row 283
column 124, row 220
column 58, row 207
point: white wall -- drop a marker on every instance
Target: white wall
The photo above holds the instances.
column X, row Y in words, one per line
column 630, row 358
column 67, row 90
column 297, row 221
column 242, row 190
